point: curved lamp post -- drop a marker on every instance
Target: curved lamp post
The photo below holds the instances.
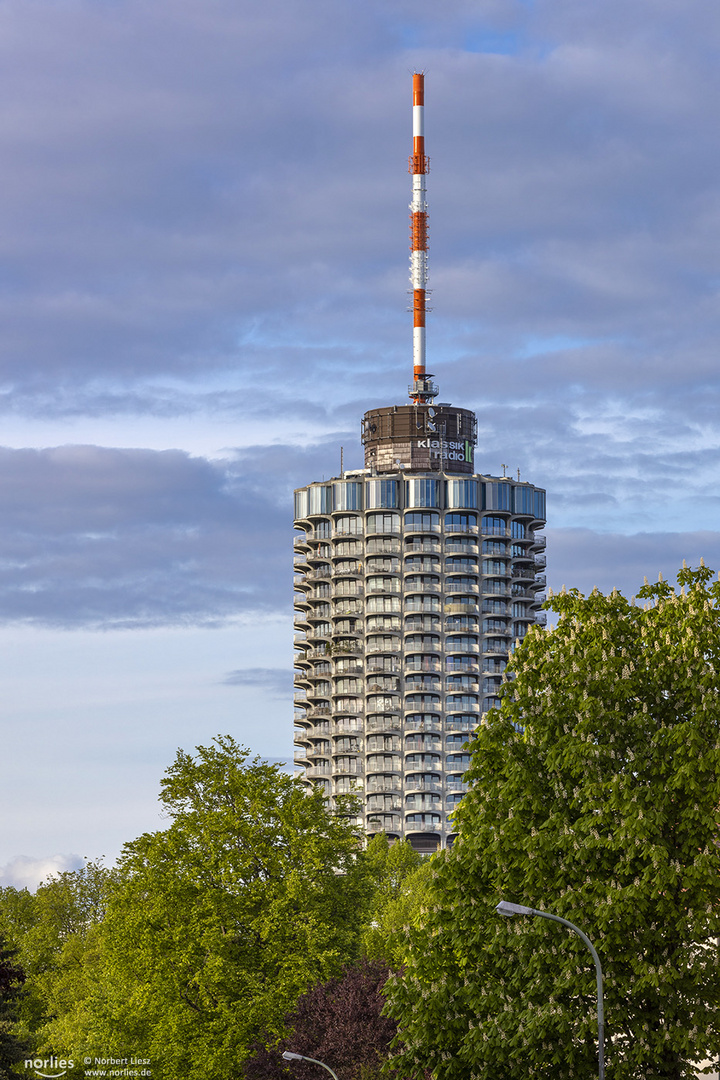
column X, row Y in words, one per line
column 506, row 908
column 289, row 1056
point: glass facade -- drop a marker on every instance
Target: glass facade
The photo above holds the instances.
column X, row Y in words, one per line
column 410, row 592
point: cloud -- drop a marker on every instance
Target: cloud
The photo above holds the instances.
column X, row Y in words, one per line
column 24, row 872
column 582, row 559
column 275, row 681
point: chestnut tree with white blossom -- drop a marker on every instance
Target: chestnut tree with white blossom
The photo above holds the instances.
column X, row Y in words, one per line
column 594, row 794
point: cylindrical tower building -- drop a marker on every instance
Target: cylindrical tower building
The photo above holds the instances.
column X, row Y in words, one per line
column 414, row 576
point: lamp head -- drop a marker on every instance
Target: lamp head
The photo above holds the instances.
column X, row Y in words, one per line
column 506, row 908
column 289, row 1056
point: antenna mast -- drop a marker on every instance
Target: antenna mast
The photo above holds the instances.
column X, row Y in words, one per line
column 422, row 390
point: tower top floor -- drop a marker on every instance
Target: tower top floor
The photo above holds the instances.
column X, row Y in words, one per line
column 419, row 438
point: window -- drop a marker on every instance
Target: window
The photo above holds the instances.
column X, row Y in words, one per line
column 421, row 522
column 422, row 492
column 347, row 495
column 422, row 701
column 493, row 547
column 460, row 701
column 348, row 686
column 490, row 625
column 422, row 761
column 386, row 643
column 455, row 742
column 423, row 742
column 423, row 641
column 494, row 526
column 457, row 761
column 422, row 622
column 494, row 607
column 301, row 504
column 383, row 603
column 518, row 530
column 539, row 505
column 523, row 499
column 494, row 566
column 422, row 821
column 421, row 720
column 460, row 522
column 383, row 622
column 320, row 498
column 497, row 496
column 348, row 526
column 424, row 800
column 451, row 801
column 462, row 493
column 460, row 644
column 380, row 494
column 383, row 523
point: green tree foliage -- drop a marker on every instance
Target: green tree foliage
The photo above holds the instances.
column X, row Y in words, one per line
column 12, row 977
column 594, row 794
column 217, row 924
column 399, row 877
column 49, row 929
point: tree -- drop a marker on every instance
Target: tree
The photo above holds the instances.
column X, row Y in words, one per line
column 12, row 977
column 594, row 794
column 48, row 930
column 217, row 924
column 399, row 876
column 339, row 1022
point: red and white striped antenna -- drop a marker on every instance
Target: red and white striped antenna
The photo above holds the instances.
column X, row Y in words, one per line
column 422, row 388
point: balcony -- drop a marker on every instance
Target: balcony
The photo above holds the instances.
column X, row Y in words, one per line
column 319, row 711
column 347, row 727
column 347, row 532
column 421, row 603
column 460, row 725
column 383, row 783
column 454, row 786
column 540, row 581
column 463, row 706
column 494, row 530
column 413, row 547
column 541, row 618
column 469, row 530
column 468, row 668
column 492, row 588
column 377, row 664
column 320, row 572
column 318, row 770
column 432, row 827
column 347, row 768
column 422, row 725
column 540, row 562
column 424, row 663
column 455, row 608
column 392, row 723
column 419, row 783
column 539, row 542
column 426, row 528
column 376, row 822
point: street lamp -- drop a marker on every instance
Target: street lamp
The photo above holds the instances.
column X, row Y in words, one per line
column 506, row 908
column 289, row 1056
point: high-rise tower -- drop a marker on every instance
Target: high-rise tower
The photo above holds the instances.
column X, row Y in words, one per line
column 414, row 576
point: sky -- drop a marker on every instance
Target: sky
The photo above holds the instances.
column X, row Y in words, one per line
column 203, row 285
